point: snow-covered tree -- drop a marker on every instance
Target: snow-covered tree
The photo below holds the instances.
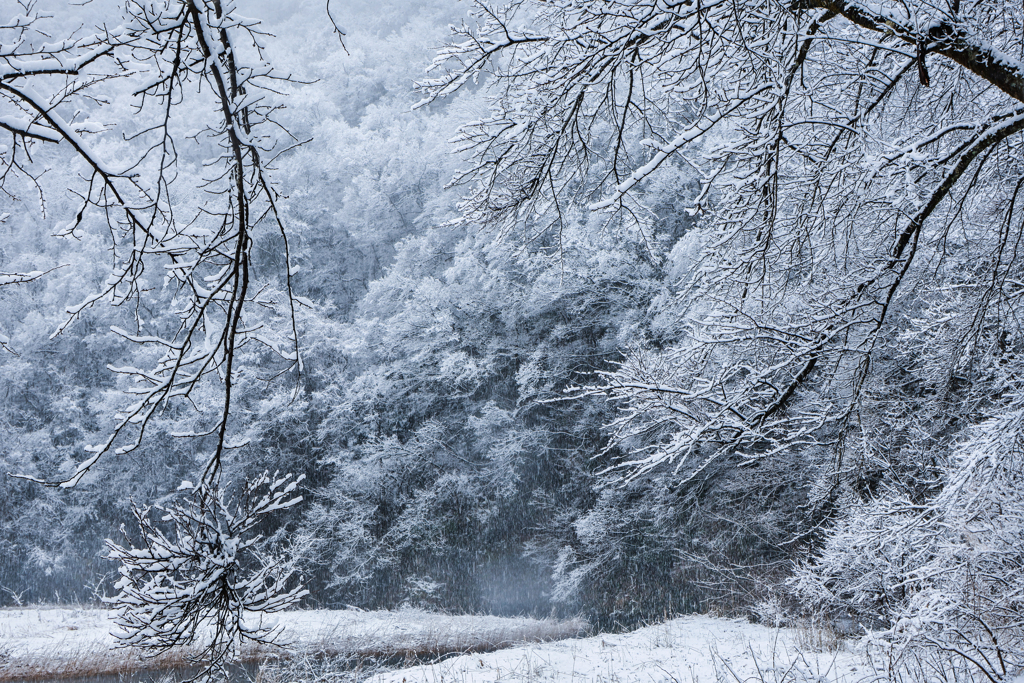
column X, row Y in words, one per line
column 159, row 119
column 446, row 463
column 849, row 297
column 847, row 152
column 946, row 572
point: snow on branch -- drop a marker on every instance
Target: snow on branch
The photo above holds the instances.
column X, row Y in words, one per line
column 840, row 146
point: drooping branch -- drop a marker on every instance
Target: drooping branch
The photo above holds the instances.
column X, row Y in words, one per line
column 188, row 43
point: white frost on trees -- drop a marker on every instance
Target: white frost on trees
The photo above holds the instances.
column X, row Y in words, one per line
column 947, row 572
column 849, row 153
column 858, row 287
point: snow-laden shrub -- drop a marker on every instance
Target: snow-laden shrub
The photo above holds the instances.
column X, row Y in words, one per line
column 200, row 574
column 946, row 574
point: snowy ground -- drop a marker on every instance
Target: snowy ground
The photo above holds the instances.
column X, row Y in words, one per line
column 694, row 649
column 41, row 642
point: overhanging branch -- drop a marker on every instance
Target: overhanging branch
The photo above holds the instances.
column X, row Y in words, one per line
column 943, row 38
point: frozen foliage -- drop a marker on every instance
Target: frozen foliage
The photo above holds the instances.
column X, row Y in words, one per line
column 446, row 464
column 206, row 577
column 771, row 247
column 946, row 572
column 815, row 216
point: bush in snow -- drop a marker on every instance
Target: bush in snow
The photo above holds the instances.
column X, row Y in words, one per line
column 205, row 578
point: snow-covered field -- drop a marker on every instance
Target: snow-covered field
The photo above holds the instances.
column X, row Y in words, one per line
column 48, row 643
column 40, row 642
column 693, row 649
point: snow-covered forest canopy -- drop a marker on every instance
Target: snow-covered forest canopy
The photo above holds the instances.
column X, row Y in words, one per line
column 620, row 308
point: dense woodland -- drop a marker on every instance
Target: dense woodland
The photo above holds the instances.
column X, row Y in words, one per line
column 622, row 308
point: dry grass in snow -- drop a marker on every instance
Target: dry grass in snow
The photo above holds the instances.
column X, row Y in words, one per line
column 356, row 647
column 47, row 643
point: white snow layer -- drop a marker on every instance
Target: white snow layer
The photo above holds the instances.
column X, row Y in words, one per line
column 693, row 649
column 42, row 642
